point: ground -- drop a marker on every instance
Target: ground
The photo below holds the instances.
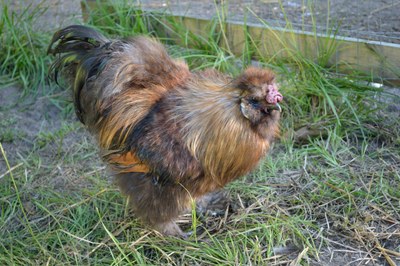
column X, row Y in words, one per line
column 56, row 154
column 48, row 149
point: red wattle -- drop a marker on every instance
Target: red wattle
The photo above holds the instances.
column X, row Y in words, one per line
column 273, row 96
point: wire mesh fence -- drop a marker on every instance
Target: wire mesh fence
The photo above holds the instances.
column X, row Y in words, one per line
column 373, row 24
column 365, row 19
column 372, row 20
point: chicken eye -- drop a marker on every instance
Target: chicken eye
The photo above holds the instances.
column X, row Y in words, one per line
column 254, row 102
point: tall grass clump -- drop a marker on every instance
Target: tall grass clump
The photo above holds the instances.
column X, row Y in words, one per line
column 23, row 59
column 120, row 18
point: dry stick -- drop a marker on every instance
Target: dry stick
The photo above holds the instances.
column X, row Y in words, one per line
column 342, row 191
column 384, row 252
column 299, row 257
column 107, row 238
column 95, row 171
column 79, row 238
column 390, row 203
column 342, row 245
column 394, row 253
column 360, row 239
column 224, row 219
column 10, row 170
column 387, row 217
column 139, row 240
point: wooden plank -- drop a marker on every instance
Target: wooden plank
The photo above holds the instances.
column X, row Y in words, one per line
column 372, row 59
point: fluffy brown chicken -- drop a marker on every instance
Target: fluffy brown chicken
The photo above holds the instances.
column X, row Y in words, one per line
column 168, row 135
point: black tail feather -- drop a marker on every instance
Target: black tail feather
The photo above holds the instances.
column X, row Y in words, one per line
column 76, row 37
column 75, row 47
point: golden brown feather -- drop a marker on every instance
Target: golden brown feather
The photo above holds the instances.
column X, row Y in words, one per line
column 167, row 134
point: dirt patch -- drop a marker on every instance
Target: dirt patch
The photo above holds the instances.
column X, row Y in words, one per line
column 34, row 131
column 52, row 14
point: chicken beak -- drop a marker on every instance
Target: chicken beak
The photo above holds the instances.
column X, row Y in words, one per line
column 279, row 108
column 276, row 107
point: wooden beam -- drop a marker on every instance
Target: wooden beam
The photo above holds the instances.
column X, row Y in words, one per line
column 379, row 60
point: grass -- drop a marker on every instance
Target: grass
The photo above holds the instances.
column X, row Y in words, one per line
column 23, row 59
column 333, row 192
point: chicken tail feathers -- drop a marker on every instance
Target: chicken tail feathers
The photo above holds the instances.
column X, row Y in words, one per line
column 76, row 37
column 77, row 59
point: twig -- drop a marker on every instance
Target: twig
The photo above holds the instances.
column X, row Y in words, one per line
column 391, row 205
column 385, row 252
column 342, row 245
column 299, row 257
column 79, row 238
column 139, row 240
column 108, row 238
column 10, row 170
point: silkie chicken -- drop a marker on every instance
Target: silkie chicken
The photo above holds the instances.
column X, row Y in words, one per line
column 168, row 135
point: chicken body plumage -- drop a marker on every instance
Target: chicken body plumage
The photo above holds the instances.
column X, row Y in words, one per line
column 168, row 134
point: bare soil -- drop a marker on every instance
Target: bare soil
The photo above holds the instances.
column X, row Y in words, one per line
column 34, row 128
